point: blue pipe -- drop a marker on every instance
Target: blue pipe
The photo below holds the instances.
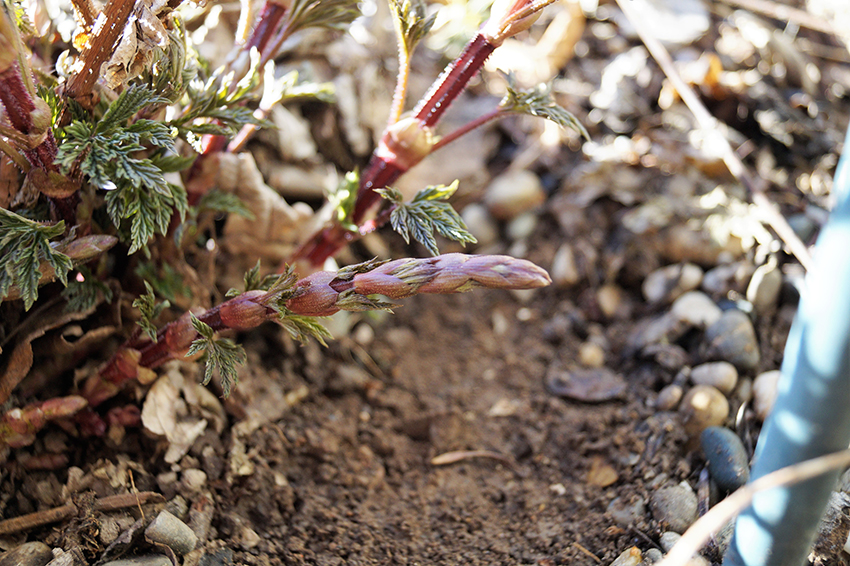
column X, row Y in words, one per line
column 811, row 416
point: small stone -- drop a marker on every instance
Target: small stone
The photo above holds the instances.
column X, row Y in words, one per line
column 697, row 309
column 765, row 390
column 348, row 378
column 668, row 540
column 521, row 227
column 587, row 385
column 721, row 375
column 626, row 514
column 564, row 270
column 703, row 406
column 28, row 554
column 675, row 507
column 652, row 556
column 601, row 474
column 610, row 298
column 733, row 338
column 629, row 557
column 669, row 397
column 146, row 560
column 727, row 458
column 194, row 480
column 249, row 538
column 591, row 355
column 669, row 282
column 730, row 276
column 172, row 532
column 512, row 193
column 764, row 287
column 480, row 224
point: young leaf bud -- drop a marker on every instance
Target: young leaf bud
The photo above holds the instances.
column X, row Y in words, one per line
column 242, row 313
column 407, row 142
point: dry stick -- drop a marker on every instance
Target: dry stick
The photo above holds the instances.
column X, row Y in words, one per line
column 723, row 512
column 712, row 126
column 785, row 14
column 99, row 50
column 104, row 504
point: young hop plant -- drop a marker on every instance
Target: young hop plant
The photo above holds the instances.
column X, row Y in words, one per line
column 107, row 189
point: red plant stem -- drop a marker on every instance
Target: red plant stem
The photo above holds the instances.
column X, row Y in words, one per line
column 468, row 127
column 383, row 171
column 453, row 80
column 267, row 23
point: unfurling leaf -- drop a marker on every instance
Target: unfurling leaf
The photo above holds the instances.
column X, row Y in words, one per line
column 539, row 102
column 220, row 201
column 84, row 293
column 332, row 14
column 344, row 197
column 303, row 327
column 411, row 23
column 426, row 213
column 222, row 355
column 149, row 310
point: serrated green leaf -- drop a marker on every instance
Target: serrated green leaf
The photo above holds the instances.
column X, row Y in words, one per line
column 126, row 105
column 24, row 246
column 149, row 309
column 539, row 102
column 426, row 213
column 81, row 295
column 344, row 197
column 173, row 163
column 221, row 355
column 411, row 22
column 332, row 14
column 220, row 201
column 350, row 300
column 303, row 327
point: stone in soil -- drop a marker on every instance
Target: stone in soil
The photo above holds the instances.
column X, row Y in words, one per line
column 172, row 532
column 669, row 397
column 27, row 554
column 697, row 309
column 147, row 560
column 733, row 339
column 764, row 287
column 668, row 283
column 625, row 512
column 513, row 193
column 720, row 375
column 674, row 507
column 629, row 557
column 765, row 390
column 564, row 269
column 480, row 224
column 588, row 385
column 703, row 406
column 727, row 458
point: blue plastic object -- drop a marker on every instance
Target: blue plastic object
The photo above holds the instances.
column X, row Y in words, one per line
column 811, row 416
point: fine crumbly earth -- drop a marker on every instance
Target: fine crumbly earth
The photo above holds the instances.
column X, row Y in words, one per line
column 326, row 456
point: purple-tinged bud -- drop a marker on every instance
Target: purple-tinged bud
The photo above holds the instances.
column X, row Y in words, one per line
column 373, row 283
column 242, row 312
column 406, row 143
column 63, row 407
column 180, row 334
column 315, row 296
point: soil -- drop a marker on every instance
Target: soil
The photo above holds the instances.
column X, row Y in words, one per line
column 430, row 436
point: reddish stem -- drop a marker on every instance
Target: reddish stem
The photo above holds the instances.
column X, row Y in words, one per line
column 267, row 23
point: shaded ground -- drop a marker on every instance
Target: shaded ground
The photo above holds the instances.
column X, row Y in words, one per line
column 325, row 456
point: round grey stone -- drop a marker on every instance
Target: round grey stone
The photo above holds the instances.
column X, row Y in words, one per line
column 727, row 458
column 674, row 507
column 147, row 560
column 721, row 375
column 625, row 513
column 733, row 339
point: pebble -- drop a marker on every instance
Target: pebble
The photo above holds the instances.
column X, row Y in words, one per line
column 146, row 560
column 626, row 514
column 733, row 338
column 564, row 270
column 669, row 397
column 727, row 458
column 588, row 385
column 480, row 224
column 719, row 280
column 591, row 355
column 28, row 554
column 194, row 480
column 721, row 375
column 512, row 193
column 703, row 406
column 668, row 540
column 675, row 507
column 652, row 556
column 669, row 282
column 764, row 287
column 629, row 557
column 521, row 227
column 609, row 298
column 172, row 532
column 765, row 390
column 697, row 309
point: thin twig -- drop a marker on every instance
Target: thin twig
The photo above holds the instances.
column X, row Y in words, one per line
column 583, row 550
column 755, row 186
column 784, row 13
column 105, row 504
column 498, row 112
column 710, row 523
column 456, row 456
